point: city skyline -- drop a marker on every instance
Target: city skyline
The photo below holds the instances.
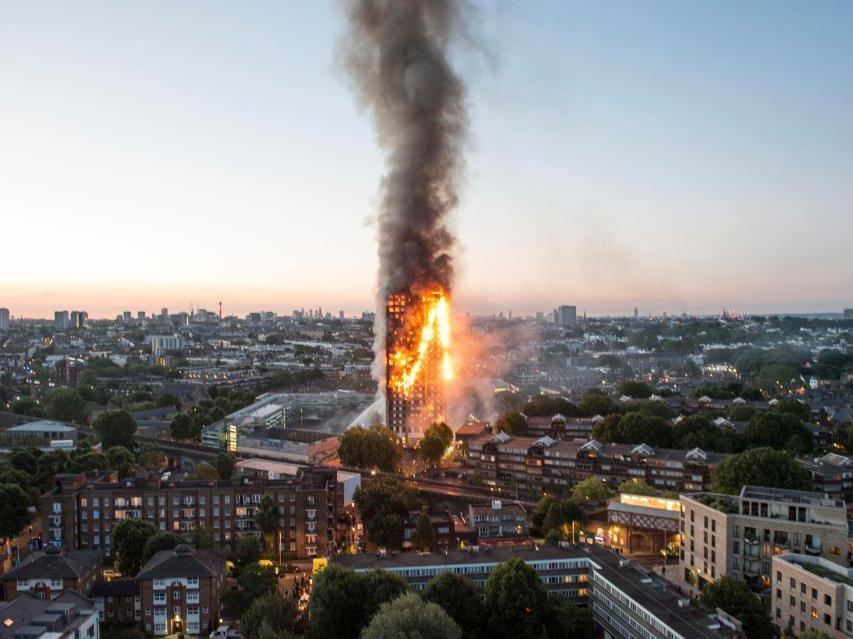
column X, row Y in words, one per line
column 170, row 154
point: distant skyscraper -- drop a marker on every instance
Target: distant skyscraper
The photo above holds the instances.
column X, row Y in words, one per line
column 565, row 315
column 4, row 319
column 848, row 313
column 61, row 320
column 78, row 319
column 636, row 313
column 126, row 317
column 140, row 315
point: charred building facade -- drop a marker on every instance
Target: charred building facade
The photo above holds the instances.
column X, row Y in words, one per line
column 414, row 382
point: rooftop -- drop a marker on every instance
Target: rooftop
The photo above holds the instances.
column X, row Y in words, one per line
column 41, row 426
column 792, row 496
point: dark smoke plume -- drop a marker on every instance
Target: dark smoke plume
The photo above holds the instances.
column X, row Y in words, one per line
column 396, row 53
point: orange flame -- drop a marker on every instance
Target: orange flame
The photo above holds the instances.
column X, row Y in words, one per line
column 407, row 365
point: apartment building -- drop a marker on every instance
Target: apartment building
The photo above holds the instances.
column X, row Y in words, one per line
column 117, row 601
column 812, row 593
column 81, row 509
column 49, row 572
column 626, row 599
column 739, row 536
column 179, row 592
column 69, row 616
column 499, row 521
column 532, row 464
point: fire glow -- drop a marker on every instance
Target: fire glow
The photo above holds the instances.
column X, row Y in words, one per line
column 432, row 325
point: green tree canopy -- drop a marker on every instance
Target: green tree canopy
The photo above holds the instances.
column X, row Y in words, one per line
column 343, row 601
column 637, row 390
column 267, row 519
column 424, row 536
column 384, row 503
column 163, row 540
column 596, row 402
column 735, row 597
column 129, row 539
column 248, row 551
column 459, row 598
column 411, row 616
column 373, row 447
column 66, row 405
column 121, row 460
column 515, row 601
column 13, row 510
column 776, row 430
column 115, row 428
column 275, row 610
column 566, row 620
column 224, row 465
column 548, row 406
column 204, row 471
column 759, row 467
column 636, row 487
column 512, row 423
column 592, row 490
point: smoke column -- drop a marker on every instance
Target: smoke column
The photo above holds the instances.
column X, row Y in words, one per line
column 396, row 53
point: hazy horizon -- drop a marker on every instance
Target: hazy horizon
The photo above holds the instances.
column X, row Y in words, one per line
column 675, row 156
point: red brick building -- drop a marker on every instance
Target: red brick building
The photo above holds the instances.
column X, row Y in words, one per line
column 47, row 573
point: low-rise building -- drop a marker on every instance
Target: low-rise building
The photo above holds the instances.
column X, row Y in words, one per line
column 811, row 593
column 626, row 599
column 179, row 592
column 532, row 464
column 117, row 601
column 499, row 521
column 47, row 573
column 69, row 616
column 724, row 535
column 831, row 474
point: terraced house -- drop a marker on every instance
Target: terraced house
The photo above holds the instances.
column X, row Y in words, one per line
column 532, row 464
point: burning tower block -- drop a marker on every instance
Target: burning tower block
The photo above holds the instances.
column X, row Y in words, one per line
column 417, row 361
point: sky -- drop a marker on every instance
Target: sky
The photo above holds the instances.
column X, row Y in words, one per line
column 675, row 156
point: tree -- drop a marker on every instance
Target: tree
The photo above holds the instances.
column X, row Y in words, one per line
column 122, row 460
column 794, row 407
column 26, row 459
column 115, row 428
column 759, row 467
column 431, row 449
column 266, row 518
column 637, row 390
column 512, row 423
column 254, row 582
column 151, row 459
column 442, row 431
column 13, row 510
column 459, row 598
column 566, row 620
column 273, row 609
column 224, row 465
column 204, row 471
column 735, row 597
column 596, row 402
column 66, row 405
column 383, row 504
column 775, row 379
column 181, row 426
column 373, row 447
column 515, row 601
column 776, row 429
column 248, row 552
column 342, row 602
column 636, row 487
column 162, row 540
column 202, row 537
column 27, row 406
column 592, row 490
column 129, row 539
column 411, row 616
column 424, row 535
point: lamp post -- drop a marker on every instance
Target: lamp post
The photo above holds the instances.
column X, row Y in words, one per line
column 279, row 547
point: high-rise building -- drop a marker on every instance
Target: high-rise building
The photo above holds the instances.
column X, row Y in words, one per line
column 636, row 313
column 565, row 315
column 409, row 413
column 126, row 317
column 140, row 315
column 61, row 320
column 78, row 319
column 4, row 319
column 848, row 313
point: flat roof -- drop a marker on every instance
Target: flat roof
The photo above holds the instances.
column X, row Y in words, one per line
column 42, row 425
column 786, row 494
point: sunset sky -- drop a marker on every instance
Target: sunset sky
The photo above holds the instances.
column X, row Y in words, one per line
column 677, row 156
